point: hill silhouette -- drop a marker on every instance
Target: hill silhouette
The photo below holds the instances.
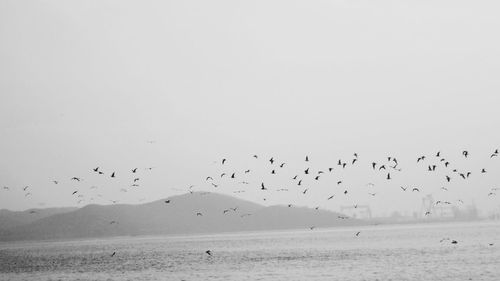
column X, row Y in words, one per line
column 184, row 214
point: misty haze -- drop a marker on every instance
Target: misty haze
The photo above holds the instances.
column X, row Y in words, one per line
column 249, row 140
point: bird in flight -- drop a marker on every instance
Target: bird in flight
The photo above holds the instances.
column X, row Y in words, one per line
column 113, row 175
column 113, row 254
column 167, row 201
column 96, row 169
column 223, row 161
column 331, row 197
column 134, row 170
column 357, row 233
column 415, row 189
column 75, row 178
column 404, row 188
column 208, row 252
column 263, row 187
column 465, row 153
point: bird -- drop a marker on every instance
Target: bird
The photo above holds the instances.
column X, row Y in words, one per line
column 306, row 171
column 339, row 182
column 415, row 189
column 388, row 176
column 273, row 172
column 113, row 175
column 26, row 187
column 357, row 233
column 208, row 252
column 223, row 161
column 331, row 197
column 75, row 178
column 330, row 169
column 282, row 165
column 136, row 179
column 307, row 158
column 233, row 175
column 223, row 174
column 300, row 182
column 465, row 153
column 381, row 167
column 404, row 188
column 167, row 201
column 255, row 156
column 271, row 160
column 74, row 192
column 113, row 254
column 96, row 169
column 305, row 190
column 316, row 178
column 263, row 187
column 247, row 171
column 209, row 178
column 134, row 170
column 55, row 182
column 374, row 165
column 199, row 214
column 438, row 153
column 345, row 191
column 483, row 171
column 454, row 242
column 448, row 178
column 225, row 211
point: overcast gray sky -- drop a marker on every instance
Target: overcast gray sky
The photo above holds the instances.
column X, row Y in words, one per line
column 89, row 83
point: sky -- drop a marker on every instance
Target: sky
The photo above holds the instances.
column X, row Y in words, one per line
column 180, row 85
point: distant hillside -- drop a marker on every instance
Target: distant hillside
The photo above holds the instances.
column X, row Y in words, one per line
column 11, row 219
column 179, row 216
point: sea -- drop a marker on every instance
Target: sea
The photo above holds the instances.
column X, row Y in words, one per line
column 377, row 252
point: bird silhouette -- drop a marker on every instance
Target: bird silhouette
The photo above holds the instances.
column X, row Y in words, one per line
column 208, row 252
column 113, row 175
column 134, row 170
column 223, row 161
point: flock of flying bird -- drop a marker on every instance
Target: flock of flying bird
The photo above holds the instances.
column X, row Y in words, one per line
column 388, row 168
